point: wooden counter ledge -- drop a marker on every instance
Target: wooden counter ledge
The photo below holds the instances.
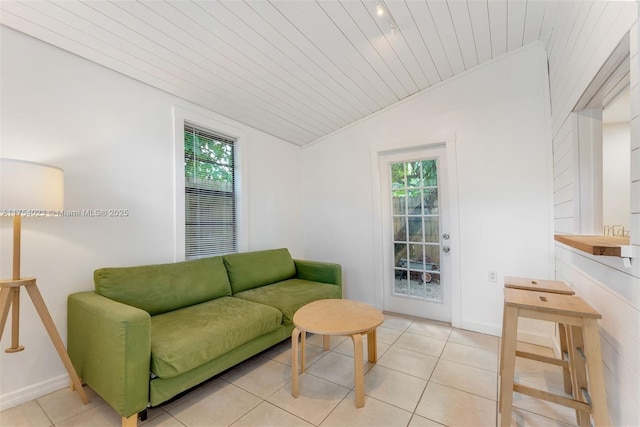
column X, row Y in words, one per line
column 594, row 245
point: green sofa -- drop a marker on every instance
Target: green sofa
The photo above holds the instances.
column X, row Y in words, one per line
column 148, row 333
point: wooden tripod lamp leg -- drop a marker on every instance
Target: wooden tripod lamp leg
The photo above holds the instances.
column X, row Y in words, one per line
column 47, row 321
column 15, row 323
column 6, row 297
column 10, row 299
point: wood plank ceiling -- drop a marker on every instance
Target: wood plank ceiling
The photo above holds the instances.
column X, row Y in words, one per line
column 296, row 69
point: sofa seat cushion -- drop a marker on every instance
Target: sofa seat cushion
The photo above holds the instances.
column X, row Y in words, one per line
column 289, row 295
column 185, row 339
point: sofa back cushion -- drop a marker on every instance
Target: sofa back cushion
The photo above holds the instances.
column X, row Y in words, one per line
column 164, row 287
column 250, row 270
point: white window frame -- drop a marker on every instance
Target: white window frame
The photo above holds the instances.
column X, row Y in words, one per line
column 216, row 125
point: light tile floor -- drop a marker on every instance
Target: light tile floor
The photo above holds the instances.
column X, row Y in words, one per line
column 428, row 374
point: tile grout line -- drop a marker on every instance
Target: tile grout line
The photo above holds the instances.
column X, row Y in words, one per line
column 44, row 412
column 392, row 345
column 427, row 384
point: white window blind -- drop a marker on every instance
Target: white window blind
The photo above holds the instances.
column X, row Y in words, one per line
column 210, row 200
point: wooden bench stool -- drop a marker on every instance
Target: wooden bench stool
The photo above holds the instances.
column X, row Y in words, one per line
column 550, row 286
column 553, row 287
column 581, row 322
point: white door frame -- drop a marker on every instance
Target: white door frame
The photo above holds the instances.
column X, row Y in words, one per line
column 377, row 194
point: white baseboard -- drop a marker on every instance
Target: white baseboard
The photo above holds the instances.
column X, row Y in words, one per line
column 524, row 336
column 26, row 394
column 483, row 328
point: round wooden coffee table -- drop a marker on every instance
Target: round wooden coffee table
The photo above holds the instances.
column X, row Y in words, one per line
column 336, row 317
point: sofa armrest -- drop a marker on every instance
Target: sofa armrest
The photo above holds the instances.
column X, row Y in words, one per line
column 324, row 272
column 109, row 344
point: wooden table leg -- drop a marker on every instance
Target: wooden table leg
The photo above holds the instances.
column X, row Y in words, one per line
column 372, row 346
column 326, row 343
column 358, row 369
column 294, row 362
column 303, row 346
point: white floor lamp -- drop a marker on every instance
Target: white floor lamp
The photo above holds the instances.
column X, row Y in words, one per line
column 30, row 189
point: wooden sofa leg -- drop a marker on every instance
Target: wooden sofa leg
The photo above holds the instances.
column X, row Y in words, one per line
column 131, row 421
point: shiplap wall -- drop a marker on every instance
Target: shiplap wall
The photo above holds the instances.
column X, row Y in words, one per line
column 584, row 36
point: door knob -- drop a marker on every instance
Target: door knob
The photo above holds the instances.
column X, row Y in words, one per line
column 445, row 236
column 446, row 249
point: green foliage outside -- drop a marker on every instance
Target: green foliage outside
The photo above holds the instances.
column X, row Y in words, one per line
column 414, row 175
column 208, row 162
column 414, row 185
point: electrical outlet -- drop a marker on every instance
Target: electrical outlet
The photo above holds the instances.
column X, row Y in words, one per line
column 493, row 276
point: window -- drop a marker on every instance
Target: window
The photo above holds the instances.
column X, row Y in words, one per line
column 209, row 192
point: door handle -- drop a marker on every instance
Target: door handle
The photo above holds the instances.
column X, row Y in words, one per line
column 446, row 249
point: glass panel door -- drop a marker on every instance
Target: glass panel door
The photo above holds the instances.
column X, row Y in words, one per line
column 417, row 267
column 416, row 223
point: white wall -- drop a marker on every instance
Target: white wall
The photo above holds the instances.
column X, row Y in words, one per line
column 616, row 174
column 586, row 33
column 113, row 137
column 499, row 116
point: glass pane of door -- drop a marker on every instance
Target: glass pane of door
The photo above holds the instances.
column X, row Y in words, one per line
column 416, row 229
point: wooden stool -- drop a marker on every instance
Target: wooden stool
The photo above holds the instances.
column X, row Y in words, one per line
column 581, row 321
column 550, row 286
column 553, row 287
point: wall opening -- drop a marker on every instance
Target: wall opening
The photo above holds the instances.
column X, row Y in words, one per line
column 602, row 129
column 616, row 166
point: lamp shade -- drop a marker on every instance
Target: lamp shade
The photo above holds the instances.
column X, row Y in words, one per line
column 30, row 189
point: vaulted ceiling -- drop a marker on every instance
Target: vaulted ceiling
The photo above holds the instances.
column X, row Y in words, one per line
column 296, row 69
